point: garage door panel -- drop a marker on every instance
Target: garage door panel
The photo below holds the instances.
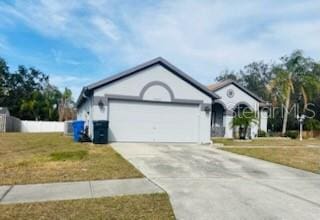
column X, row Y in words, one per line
column 126, row 123
column 153, row 122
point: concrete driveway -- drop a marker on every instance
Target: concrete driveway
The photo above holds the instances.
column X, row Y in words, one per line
column 207, row 183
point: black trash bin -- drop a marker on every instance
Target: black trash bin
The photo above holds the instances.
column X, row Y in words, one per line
column 100, row 132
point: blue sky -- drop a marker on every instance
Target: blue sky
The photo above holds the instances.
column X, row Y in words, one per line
column 78, row 42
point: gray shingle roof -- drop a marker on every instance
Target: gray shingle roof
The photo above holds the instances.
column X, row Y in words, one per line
column 158, row 60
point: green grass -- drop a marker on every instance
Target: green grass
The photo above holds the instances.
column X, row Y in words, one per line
column 153, row 206
column 266, row 142
column 69, row 155
column 27, row 158
column 302, row 158
column 303, row 155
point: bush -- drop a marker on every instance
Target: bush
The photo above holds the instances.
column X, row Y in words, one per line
column 262, row 133
column 312, row 124
column 292, row 134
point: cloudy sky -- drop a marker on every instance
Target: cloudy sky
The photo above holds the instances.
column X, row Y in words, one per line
column 78, row 42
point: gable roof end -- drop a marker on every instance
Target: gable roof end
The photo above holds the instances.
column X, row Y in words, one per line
column 159, row 60
column 219, row 85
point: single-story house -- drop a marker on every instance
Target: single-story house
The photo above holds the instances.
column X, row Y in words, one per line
column 157, row 102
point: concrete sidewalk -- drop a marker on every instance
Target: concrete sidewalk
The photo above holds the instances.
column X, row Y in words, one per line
column 76, row 190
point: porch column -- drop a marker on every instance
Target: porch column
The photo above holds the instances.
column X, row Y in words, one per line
column 263, row 120
column 227, row 119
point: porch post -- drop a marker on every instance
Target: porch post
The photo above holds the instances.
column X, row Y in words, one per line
column 227, row 119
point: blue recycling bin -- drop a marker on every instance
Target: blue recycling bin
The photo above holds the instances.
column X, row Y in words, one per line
column 78, row 127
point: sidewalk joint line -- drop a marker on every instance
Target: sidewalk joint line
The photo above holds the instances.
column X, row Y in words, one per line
column 6, row 193
column 156, row 184
column 285, row 192
column 91, row 190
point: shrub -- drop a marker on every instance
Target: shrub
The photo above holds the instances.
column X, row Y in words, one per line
column 292, row 134
column 262, row 133
column 68, row 155
column 244, row 119
column 312, row 124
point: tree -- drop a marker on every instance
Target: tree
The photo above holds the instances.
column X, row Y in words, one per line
column 312, row 124
column 294, row 76
column 283, row 83
column 282, row 87
column 244, row 120
column 29, row 95
column 42, row 104
column 66, row 106
column 31, row 107
column 51, row 100
column 21, row 87
column 256, row 76
column 227, row 74
column 4, row 72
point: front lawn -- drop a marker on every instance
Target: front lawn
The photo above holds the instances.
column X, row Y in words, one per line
column 303, row 155
column 301, row 158
column 267, row 142
column 53, row 157
column 153, row 206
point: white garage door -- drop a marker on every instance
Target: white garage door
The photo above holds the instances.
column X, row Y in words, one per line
column 153, row 122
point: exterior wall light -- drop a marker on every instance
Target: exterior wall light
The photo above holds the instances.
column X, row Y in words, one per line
column 100, row 103
column 207, row 109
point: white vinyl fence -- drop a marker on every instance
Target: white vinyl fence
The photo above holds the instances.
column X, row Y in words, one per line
column 42, row 126
column 13, row 124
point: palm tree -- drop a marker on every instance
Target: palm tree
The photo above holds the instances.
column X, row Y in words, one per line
column 309, row 87
column 281, row 88
column 294, row 75
column 66, row 111
column 244, row 120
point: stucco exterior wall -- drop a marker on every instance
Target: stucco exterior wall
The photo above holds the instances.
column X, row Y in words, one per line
column 134, row 85
column 157, row 92
column 231, row 102
column 239, row 96
column 82, row 111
